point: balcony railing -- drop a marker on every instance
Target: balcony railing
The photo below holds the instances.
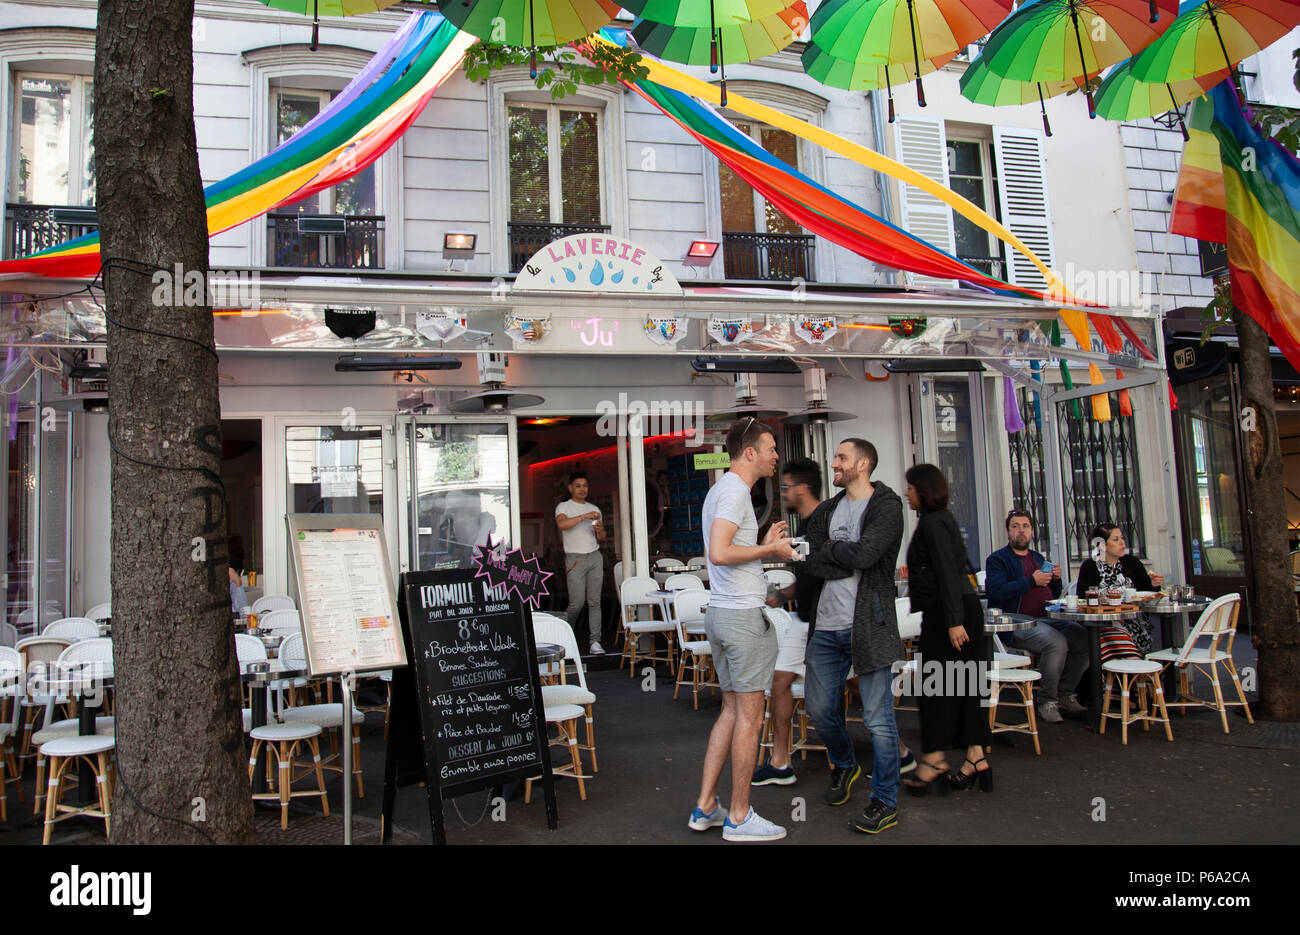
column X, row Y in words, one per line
column 780, row 257
column 526, row 238
column 29, row 228
column 325, row 241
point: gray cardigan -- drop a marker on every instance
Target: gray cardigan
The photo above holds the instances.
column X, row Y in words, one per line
column 876, row 643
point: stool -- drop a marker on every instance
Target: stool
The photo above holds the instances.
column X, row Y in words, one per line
column 565, row 717
column 61, row 754
column 1023, row 681
column 697, row 657
column 907, row 675
column 800, row 719
column 1139, row 673
column 329, row 717
column 58, row 731
column 283, row 740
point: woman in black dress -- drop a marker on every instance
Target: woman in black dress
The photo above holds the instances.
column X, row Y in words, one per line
column 952, row 631
column 1118, row 569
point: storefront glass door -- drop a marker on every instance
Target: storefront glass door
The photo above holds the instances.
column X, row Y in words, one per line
column 460, row 479
column 1213, row 538
column 959, row 453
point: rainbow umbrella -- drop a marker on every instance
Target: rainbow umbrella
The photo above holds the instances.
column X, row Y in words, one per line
column 865, row 76
column 713, row 17
column 736, row 42
column 1123, row 97
column 319, row 8
column 532, row 23
column 984, row 86
column 1064, row 40
column 1211, row 35
column 898, row 32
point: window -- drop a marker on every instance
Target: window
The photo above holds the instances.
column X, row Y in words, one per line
column 969, row 176
column 55, row 163
column 294, row 109
column 555, row 176
column 759, row 241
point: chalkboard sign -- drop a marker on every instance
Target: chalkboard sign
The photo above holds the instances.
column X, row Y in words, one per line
column 475, row 684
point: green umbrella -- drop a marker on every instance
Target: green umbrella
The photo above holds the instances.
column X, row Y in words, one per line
column 902, row 32
column 532, row 23
column 984, row 86
column 865, row 76
column 1123, row 97
column 319, row 8
column 1063, row 40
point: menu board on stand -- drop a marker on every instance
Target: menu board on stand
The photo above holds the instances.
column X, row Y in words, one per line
column 474, row 682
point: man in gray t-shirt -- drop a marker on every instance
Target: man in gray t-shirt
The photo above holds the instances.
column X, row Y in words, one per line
column 742, row 642
column 840, row 595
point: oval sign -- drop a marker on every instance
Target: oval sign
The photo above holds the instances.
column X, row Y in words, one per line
column 596, row 263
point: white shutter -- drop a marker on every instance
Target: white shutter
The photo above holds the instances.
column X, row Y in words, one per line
column 1022, row 185
column 922, row 145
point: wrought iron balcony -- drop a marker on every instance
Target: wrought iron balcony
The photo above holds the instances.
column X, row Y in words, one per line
column 325, row 241
column 526, row 238
column 29, row 228
column 988, row 265
column 780, row 257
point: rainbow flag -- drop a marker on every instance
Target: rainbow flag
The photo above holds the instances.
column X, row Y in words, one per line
column 1254, row 208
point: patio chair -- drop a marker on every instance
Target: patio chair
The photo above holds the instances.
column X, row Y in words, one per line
column 273, row 602
column 285, row 620
column 681, row 580
column 328, row 717
column 1140, row 675
column 696, row 656
column 1218, row 622
column 551, row 629
column 100, row 611
column 1022, row 680
column 634, row 594
column 72, row 628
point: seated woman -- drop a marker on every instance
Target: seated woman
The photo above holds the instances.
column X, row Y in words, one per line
column 1118, row 569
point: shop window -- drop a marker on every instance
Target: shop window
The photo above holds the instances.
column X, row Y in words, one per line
column 54, row 162
column 759, row 240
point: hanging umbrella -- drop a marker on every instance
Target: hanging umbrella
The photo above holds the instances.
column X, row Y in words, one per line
column 712, row 17
column 903, row 32
column 1211, row 35
column 532, row 23
column 1123, row 97
column 319, row 8
column 736, row 42
column 1063, row 40
column 984, row 86
column 865, row 76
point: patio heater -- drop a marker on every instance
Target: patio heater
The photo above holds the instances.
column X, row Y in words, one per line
column 746, row 403
column 495, row 398
column 817, row 416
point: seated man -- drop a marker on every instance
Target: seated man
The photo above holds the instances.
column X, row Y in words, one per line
column 1016, row 584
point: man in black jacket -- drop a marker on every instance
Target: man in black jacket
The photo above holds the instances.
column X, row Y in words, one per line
column 854, row 540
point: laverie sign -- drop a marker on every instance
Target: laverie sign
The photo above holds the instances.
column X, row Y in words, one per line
column 596, row 263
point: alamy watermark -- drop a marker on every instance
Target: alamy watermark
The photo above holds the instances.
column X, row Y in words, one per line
column 1115, row 288
column 934, row 678
column 648, row 418
column 179, row 287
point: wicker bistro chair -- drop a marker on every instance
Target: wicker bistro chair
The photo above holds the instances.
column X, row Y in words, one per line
column 683, row 580
column 72, row 628
column 328, row 717
column 1022, row 680
column 633, row 595
column 1139, row 674
column 282, row 741
column 1218, row 622
column 62, row 753
column 273, row 602
column 38, row 653
column 547, row 628
column 284, row 620
column 696, row 655
column 100, row 611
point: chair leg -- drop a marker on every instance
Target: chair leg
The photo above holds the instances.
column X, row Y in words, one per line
column 591, row 737
column 1028, row 689
column 1125, row 686
column 52, row 795
column 285, row 778
column 1160, row 704
column 570, row 731
column 1105, row 705
column 995, row 689
column 1218, row 697
column 102, row 787
column 356, row 759
column 314, row 743
column 1232, row 671
column 40, row 784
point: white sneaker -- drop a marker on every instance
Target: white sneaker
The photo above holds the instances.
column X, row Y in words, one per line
column 701, row 820
column 1048, row 711
column 753, row 828
column 597, row 649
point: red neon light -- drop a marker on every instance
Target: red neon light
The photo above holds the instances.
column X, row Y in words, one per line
column 601, row 451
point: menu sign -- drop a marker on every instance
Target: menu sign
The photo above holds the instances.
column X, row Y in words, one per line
column 474, row 666
column 346, row 600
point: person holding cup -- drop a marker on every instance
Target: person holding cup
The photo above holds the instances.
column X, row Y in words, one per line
column 1112, row 567
column 580, row 527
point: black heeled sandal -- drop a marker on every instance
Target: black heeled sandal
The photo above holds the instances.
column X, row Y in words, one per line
column 938, row 782
column 960, row 781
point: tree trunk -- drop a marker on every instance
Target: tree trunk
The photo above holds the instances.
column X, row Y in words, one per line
column 183, row 775
column 1277, row 629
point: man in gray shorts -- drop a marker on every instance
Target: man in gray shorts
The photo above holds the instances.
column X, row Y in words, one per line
column 743, row 643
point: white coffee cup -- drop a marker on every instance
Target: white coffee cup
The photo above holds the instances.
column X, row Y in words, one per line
column 1072, row 602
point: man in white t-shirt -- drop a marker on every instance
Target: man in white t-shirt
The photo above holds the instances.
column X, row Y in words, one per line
column 581, row 530
column 742, row 641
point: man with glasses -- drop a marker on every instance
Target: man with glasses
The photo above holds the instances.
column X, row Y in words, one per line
column 1016, row 583
column 743, row 643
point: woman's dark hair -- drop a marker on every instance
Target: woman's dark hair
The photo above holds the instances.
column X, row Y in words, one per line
column 930, row 486
column 1102, row 531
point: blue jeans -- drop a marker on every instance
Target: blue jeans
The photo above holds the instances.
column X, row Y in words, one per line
column 1062, row 650
column 828, row 660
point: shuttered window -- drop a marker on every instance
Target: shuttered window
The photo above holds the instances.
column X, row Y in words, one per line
column 921, row 144
column 1022, row 185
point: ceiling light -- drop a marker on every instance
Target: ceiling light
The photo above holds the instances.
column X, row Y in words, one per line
column 358, row 363
column 744, row 365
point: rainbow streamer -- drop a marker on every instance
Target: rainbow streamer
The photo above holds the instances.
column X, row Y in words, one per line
column 354, row 130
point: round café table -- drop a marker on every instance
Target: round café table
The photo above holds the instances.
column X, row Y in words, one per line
column 1094, row 623
column 1174, row 627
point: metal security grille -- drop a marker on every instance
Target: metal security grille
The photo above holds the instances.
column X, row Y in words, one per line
column 1028, row 477
column 1100, row 481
